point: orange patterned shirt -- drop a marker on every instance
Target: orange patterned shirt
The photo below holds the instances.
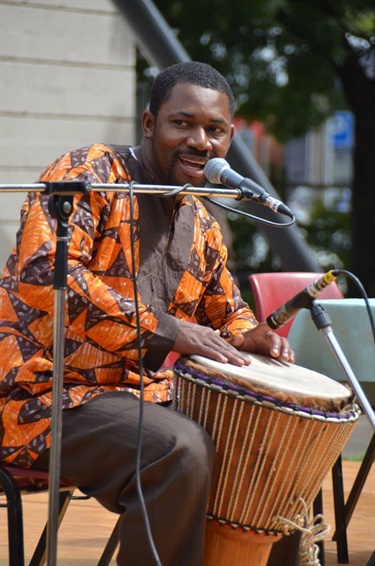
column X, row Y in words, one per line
column 101, row 333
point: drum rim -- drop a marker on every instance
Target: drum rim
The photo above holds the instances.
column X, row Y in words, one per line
column 266, row 400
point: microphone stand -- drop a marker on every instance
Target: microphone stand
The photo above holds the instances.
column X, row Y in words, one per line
column 323, row 323
column 343, row 511
column 60, row 205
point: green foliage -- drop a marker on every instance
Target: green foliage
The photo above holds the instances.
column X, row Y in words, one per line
column 250, row 249
column 328, row 231
column 280, row 56
column 329, row 234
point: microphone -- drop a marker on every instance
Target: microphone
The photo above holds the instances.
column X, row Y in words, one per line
column 218, row 171
column 290, row 308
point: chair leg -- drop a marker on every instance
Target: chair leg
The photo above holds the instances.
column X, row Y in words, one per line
column 111, row 546
column 318, row 510
column 360, row 480
column 14, row 514
column 340, row 519
column 39, row 556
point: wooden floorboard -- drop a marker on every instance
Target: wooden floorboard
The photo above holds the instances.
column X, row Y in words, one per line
column 87, row 526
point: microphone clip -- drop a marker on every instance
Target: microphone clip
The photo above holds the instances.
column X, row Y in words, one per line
column 262, row 197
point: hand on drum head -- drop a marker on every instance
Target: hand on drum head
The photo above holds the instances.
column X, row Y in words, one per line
column 203, row 341
column 262, row 340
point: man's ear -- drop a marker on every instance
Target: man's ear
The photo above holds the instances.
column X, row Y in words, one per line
column 232, row 130
column 148, row 124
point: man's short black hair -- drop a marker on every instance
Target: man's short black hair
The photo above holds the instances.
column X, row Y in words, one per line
column 192, row 72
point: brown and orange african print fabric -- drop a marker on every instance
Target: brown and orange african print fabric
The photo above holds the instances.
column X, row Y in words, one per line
column 100, row 322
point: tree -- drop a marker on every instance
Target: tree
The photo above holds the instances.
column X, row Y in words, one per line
column 290, row 64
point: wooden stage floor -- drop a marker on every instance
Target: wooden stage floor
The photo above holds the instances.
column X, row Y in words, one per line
column 87, row 526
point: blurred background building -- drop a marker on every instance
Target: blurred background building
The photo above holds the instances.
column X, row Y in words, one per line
column 67, row 80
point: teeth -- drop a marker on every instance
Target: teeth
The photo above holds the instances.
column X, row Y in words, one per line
column 195, row 163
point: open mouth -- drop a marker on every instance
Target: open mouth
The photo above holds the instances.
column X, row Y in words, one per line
column 192, row 165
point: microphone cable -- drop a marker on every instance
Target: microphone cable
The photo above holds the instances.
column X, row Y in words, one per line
column 364, row 296
column 141, row 385
column 251, row 216
column 175, row 191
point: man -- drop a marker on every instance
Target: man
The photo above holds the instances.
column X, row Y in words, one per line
column 187, row 302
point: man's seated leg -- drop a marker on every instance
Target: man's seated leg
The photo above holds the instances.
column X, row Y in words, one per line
column 98, row 454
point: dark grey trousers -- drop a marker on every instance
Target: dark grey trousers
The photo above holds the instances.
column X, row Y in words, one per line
column 98, row 454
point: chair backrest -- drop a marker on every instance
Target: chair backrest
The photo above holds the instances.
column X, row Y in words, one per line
column 271, row 290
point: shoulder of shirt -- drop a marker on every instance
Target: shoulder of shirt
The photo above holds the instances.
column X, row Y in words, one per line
column 87, row 159
column 121, row 152
column 97, row 150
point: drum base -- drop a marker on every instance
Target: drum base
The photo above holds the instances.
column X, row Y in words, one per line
column 229, row 547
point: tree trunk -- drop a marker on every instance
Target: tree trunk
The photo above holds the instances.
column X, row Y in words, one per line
column 363, row 198
column 360, row 92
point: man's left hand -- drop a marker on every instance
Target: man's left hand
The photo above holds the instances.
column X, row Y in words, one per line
column 262, row 340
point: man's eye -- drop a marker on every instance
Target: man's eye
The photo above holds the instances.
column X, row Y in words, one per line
column 215, row 130
column 181, row 123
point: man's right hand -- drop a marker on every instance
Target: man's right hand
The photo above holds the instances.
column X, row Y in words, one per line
column 203, row 341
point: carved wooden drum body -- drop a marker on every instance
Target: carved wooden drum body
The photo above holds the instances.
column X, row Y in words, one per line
column 278, row 429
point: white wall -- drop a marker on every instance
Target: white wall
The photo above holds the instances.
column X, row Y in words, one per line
column 67, row 79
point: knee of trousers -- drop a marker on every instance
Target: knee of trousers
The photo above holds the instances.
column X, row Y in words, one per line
column 193, row 456
column 183, row 469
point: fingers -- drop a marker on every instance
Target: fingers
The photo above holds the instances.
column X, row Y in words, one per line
column 280, row 348
column 195, row 339
column 237, row 341
column 218, row 349
column 204, row 341
column 262, row 340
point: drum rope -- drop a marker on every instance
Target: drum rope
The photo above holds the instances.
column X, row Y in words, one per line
column 328, row 442
column 260, row 493
column 312, row 531
column 302, row 471
column 250, row 495
column 268, row 470
column 286, row 452
column 246, row 443
column 203, row 413
column 221, row 403
column 240, row 473
column 295, row 468
column 317, row 458
column 217, row 433
column 238, row 440
column 229, row 447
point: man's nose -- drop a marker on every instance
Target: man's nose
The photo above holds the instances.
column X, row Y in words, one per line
column 199, row 140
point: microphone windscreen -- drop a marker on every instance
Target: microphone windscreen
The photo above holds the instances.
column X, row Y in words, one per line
column 213, row 169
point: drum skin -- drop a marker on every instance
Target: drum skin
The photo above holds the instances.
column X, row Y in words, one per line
column 278, row 429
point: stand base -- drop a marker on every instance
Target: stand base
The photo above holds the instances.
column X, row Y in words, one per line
column 234, row 547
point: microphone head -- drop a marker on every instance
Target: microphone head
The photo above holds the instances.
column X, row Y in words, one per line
column 213, row 169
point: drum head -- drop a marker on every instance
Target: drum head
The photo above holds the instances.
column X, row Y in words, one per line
column 282, row 380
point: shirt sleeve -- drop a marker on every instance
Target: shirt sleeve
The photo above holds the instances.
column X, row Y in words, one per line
column 225, row 307
column 222, row 306
column 101, row 304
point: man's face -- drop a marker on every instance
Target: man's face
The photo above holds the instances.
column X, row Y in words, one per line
column 193, row 126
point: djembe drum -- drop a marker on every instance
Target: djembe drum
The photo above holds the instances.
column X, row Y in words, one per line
column 278, row 428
